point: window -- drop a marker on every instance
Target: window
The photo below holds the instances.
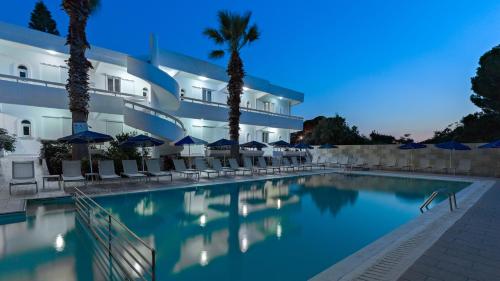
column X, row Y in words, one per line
column 268, row 106
column 206, row 94
column 26, row 128
column 23, row 71
column 114, row 84
column 145, row 92
column 265, row 137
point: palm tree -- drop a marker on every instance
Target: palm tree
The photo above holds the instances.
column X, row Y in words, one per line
column 78, row 77
column 233, row 33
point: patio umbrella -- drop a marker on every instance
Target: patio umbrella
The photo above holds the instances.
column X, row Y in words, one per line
column 494, row 144
column 86, row 137
column 280, row 144
column 451, row 146
column 301, row 146
column 222, row 143
column 253, row 144
column 411, row 146
column 327, row 146
column 142, row 141
column 189, row 140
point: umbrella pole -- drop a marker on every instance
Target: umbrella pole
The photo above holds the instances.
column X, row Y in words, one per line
column 142, row 147
column 451, row 155
column 90, row 157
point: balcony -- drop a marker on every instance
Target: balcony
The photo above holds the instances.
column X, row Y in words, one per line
column 200, row 109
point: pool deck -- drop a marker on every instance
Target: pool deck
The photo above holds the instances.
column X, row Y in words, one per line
column 438, row 245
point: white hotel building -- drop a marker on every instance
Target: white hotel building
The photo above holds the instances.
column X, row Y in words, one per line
column 164, row 94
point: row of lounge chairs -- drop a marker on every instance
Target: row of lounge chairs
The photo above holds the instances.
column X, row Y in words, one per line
column 23, row 172
column 423, row 165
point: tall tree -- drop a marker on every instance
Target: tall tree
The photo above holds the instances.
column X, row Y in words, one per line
column 233, row 33
column 486, row 83
column 41, row 19
column 78, row 77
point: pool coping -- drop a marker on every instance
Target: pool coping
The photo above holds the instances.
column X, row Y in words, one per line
column 388, row 257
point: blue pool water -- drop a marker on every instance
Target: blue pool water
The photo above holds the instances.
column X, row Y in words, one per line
column 283, row 229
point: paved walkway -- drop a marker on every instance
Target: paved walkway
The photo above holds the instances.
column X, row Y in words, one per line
column 469, row 250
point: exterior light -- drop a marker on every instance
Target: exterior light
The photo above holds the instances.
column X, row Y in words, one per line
column 202, row 78
column 52, row 52
column 245, row 89
column 280, row 98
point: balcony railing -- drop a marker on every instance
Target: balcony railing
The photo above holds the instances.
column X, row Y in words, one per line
column 245, row 109
column 63, row 86
column 155, row 112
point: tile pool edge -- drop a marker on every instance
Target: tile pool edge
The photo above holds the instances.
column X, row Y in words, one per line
column 388, row 257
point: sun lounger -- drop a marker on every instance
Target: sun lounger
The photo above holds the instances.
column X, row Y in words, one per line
column 374, row 162
column 247, row 162
column 262, row 165
column 72, row 172
column 23, row 173
column 180, row 167
column 440, row 166
column 107, row 170
column 403, row 164
column 344, row 162
column 424, row 165
column 390, row 163
column 154, row 170
column 217, row 165
column 317, row 164
column 236, row 167
column 464, row 167
column 304, row 165
column 47, row 176
column 201, row 166
column 360, row 163
column 130, row 170
column 285, row 166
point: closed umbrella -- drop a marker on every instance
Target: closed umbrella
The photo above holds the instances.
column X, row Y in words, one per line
column 142, row 141
column 301, row 146
column 327, row 146
column 411, row 146
column 494, row 144
column 189, row 140
column 86, row 137
column 280, row 144
column 452, row 146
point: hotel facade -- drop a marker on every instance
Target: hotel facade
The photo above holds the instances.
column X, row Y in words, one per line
column 163, row 94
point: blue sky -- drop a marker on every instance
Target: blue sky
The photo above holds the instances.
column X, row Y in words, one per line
column 392, row 66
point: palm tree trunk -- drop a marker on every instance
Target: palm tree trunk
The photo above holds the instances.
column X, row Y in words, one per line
column 77, row 84
column 235, row 89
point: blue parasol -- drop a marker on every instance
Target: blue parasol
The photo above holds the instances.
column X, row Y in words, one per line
column 142, row 141
column 411, row 146
column 451, row 146
column 495, row 144
column 86, row 137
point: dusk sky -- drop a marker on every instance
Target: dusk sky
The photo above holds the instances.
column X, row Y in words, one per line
column 392, row 66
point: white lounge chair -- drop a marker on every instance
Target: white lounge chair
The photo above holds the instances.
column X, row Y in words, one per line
column 390, row 163
column 154, row 170
column 236, row 167
column 275, row 165
column 217, row 165
column 107, row 170
column 130, row 170
column 304, row 165
column 23, row 173
column 344, row 162
column 403, row 164
column 440, row 166
column 360, row 163
column 317, row 164
column 464, row 167
column 285, row 166
column 180, row 167
column 46, row 175
column 262, row 165
column 374, row 162
column 424, row 165
column 201, row 166
column 72, row 172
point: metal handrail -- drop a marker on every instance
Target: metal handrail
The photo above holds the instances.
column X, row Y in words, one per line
column 116, row 240
column 51, row 84
column 156, row 112
column 218, row 104
column 452, row 199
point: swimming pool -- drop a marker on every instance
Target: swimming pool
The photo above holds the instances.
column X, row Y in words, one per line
column 280, row 229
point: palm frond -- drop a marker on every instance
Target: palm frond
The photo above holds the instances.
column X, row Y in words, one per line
column 216, row 54
column 253, row 33
column 94, row 5
column 214, row 35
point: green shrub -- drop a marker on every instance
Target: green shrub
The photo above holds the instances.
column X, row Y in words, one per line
column 54, row 152
column 118, row 153
column 7, row 142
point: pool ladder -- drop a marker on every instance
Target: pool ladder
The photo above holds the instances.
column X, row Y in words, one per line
column 452, row 200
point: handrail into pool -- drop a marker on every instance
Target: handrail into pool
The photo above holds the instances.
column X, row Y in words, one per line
column 452, row 199
column 135, row 259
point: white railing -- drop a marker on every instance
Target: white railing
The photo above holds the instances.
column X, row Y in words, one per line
column 63, row 86
column 154, row 112
column 246, row 109
column 123, row 253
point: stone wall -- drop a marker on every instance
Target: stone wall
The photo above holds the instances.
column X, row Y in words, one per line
column 484, row 162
